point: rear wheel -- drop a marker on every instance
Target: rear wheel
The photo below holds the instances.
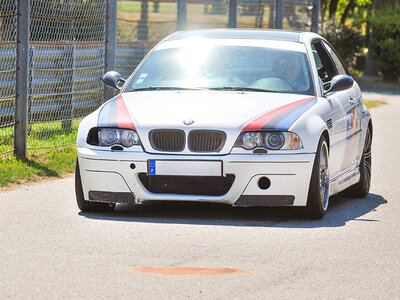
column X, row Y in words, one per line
column 88, row 206
column 361, row 188
column 318, row 193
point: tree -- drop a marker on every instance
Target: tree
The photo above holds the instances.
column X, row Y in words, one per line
column 336, row 11
column 371, row 65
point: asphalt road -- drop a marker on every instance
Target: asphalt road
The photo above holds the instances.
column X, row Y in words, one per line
column 50, row 250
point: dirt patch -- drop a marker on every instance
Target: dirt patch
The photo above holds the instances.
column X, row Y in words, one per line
column 173, row 271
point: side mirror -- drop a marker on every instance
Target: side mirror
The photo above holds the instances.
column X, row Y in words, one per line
column 113, row 79
column 338, row 83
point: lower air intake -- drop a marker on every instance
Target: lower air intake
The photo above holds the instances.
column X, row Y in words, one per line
column 187, row 185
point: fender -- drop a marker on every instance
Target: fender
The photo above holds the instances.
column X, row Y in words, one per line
column 310, row 127
column 86, row 124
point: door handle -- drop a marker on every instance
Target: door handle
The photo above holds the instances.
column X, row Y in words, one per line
column 353, row 100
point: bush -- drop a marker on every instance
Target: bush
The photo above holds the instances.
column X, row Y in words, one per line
column 385, row 41
column 347, row 41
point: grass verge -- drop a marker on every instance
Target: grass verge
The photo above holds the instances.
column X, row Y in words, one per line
column 44, row 159
column 49, row 163
column 374, row 103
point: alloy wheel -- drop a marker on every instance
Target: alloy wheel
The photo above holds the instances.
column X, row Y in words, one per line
column 324, row 176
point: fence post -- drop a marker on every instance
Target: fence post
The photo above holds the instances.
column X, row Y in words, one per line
column 271, row 17
column 21, row 80
column 181, row 14
column 143, row 27
column 315, row 16
column 110, row 41
column 232, row 14
column 279, row 14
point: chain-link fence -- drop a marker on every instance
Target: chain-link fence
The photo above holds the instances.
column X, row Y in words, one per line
column 141, row 25
column 296, row 14
column 256, row 13
column 203, row 14
column 8, row 46
column 72, row 43
column 66, row 60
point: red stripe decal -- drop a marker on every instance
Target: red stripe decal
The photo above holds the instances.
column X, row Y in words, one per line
column 124, row 119
column 258, row 123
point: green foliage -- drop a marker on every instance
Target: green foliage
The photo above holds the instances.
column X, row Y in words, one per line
column 357, row 7
column 374, row 103
column 385, row 42
column 344, row 9
column 346, row 40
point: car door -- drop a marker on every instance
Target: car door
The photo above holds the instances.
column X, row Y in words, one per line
column 339, row 118
column 353, row 114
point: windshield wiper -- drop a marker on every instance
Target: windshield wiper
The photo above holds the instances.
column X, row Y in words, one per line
column 223, row 88
column 243, row 88
column 159, row 88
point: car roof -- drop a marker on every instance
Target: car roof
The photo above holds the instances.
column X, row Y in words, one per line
column 259, row 34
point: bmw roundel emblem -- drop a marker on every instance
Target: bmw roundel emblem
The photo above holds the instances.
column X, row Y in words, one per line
column 188, row 122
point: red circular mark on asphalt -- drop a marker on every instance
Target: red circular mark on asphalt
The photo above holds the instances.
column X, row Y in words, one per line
column 189, row 271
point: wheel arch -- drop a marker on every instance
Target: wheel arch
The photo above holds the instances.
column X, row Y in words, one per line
column 325, row 133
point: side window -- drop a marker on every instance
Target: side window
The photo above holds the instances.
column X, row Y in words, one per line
column 317, row 59
column 339, row 67
column 325, row 67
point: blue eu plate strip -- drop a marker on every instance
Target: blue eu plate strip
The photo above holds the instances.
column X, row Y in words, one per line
column 152, row 167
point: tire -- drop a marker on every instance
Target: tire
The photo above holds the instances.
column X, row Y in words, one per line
column 88, row 206
column 318, row 193
column 361, row 188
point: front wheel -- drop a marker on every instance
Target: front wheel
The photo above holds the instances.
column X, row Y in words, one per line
column 88, row 206
column 318, row 193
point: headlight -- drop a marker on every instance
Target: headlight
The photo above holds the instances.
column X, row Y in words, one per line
column 108, row 137
column 113, row 136
column 250, row 140
column 272, row 140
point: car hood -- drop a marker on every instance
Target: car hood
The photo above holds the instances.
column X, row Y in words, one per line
column 207, row 109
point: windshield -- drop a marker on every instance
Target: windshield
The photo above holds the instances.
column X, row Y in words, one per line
column 225, row 67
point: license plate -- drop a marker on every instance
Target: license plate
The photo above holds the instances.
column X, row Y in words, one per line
column 184, row 167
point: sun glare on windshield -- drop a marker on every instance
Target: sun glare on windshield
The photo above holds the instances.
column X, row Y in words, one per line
column 193, row 55
column 191, row 58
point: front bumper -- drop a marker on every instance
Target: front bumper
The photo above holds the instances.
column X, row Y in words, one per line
column 109, row 175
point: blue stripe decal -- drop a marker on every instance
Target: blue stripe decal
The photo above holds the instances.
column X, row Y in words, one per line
column 290, row 119
column 112, row 114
